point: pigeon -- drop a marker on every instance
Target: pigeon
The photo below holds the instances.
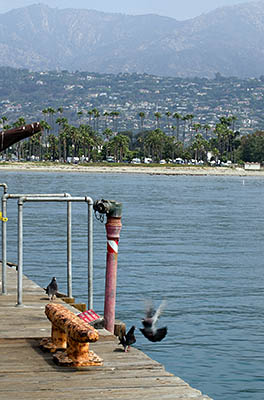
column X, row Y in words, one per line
column 128, row 339
column 52, row 289
column 149, row 322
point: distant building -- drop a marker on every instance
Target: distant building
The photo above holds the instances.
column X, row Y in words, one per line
column 252, row 166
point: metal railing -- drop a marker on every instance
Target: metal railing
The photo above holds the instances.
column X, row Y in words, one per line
column 69, row 200
column 5, row 197
column 56, row 197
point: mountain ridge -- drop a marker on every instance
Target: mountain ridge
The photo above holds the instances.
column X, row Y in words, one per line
column 229, row 40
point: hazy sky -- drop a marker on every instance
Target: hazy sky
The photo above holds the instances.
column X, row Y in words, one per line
column 178, row 9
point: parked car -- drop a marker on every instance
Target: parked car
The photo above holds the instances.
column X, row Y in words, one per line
column 135, row 161
column 110, row 159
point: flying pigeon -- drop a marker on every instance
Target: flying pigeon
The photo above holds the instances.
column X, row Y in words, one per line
column 149, row 322
column 52, row 289
column 128, row 339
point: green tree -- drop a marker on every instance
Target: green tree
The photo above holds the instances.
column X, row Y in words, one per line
column 155, row 140
column 141, row 115
column 158, row 117
column 207, row 128
column 251, row 147
column 200, row 146
column 178, row 117
column 115, row 115
column 168, row 115
column 119, row 144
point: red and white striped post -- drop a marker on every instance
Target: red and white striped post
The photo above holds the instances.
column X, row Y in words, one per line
column 113, row 211
column 113, row 227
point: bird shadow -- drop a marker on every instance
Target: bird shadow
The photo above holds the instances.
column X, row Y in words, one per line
column 118, row 350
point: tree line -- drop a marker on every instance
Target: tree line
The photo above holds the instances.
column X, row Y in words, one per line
column 184, row 139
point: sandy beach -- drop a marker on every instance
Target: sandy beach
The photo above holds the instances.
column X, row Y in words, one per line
column 131, row 169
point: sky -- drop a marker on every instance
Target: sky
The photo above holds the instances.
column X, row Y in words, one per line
column 178, row 9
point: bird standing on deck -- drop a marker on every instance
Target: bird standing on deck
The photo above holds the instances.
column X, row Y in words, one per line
column 52, row 289
column 150, row 331
column 128, row 339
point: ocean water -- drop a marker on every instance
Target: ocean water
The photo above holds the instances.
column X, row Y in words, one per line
column 195, row 241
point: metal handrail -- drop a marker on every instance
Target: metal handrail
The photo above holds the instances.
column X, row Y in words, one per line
column 25, row 198
column 4, row 185
column 7, row 196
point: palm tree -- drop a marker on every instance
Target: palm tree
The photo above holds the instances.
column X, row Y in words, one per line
column 96, row 118
column 60, row 110
column 232, row 118
column 63, row 137
column 51, row 113
column 3, row 120
column 189, row 117
column 62, row 122
column 207, row 128
column 53, row 145
column 90, row 114
column 88, row 140
column 184, row 119
column 141, row 115
column 5, row 126
column 158, row 117
column 200, row 147
column 115, row 115
column 156, row 140
column 196, row 127
column 178, row 117
column 168, row 114
column 119, row 144
column 80, row 114
column 106, row 115
column 107, row 133
column 43, row 140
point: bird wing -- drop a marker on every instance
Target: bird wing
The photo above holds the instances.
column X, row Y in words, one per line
column 150, row 311
column 158, row 312
column 54, row 286
column 130, row 337
column 160, row 334
column 155, row 337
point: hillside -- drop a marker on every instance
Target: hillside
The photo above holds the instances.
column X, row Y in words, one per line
column 229, row 40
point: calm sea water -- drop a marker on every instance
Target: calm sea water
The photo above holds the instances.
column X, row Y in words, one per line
column 195, row 241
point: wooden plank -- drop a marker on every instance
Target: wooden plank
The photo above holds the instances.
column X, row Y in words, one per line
column 28, row 373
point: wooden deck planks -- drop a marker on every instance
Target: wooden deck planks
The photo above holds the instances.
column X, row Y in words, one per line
column 28, row 373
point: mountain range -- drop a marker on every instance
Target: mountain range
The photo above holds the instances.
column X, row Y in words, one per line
column 228, row 40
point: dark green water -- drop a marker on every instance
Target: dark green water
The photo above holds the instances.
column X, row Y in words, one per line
column 195, row 241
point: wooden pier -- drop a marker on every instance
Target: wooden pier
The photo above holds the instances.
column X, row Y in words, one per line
column 27, row 373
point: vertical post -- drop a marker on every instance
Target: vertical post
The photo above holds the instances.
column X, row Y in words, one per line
column 69, row 249
column 20, row 253
column 4, row 291
column 113, row 228
column 90, row 254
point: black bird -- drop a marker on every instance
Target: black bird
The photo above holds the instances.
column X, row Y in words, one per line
column 149, row 322
column 128, row 339
column 52, row 289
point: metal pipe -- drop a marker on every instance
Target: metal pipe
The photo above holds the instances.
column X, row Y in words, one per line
column 113, row 227
column 4, row 185
column 69, row 249
column 5, row 197
column 20, row 254
column 90, row 255
column 113, row 211
column 88, row 200
column 14, row 135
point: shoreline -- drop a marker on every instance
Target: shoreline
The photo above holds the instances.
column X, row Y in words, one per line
column 131, row 169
